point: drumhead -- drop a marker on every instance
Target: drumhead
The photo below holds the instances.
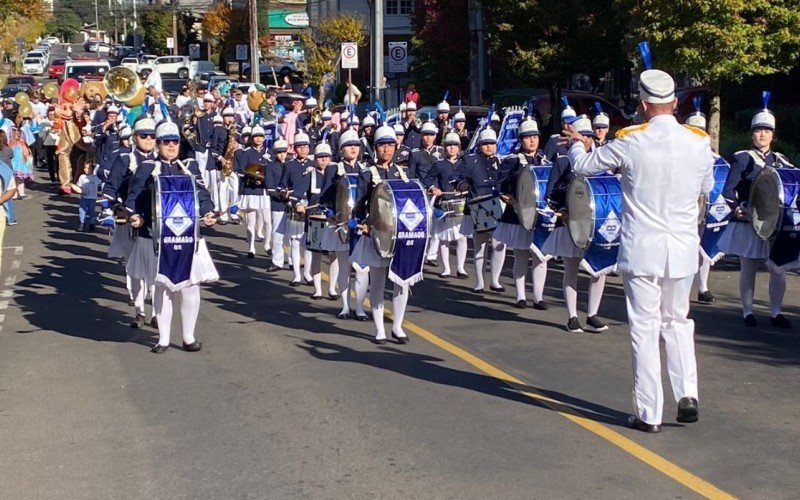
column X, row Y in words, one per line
column 765, row 206
column 382, row 219
column 344, row 201
column 527, row 197
column 581, row 212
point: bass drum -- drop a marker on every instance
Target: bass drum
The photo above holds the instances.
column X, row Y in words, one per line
column 772, row 194
column 527, row 197
column 395, row 208
column 346, row 197
column 167, row 210
column 595, row 206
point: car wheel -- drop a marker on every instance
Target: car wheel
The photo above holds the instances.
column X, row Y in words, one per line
column 183, row 73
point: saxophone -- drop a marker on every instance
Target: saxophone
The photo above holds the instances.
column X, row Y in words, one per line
column 230, row 149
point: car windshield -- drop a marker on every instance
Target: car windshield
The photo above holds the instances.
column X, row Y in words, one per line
column 85, row 71
column 30, row 61
column 58, row 62
column 20, row 80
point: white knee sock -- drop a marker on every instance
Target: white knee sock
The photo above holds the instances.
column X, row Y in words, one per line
column 596, row 287
column 162, row 300
column 498, row 259
column 570, row 285
column 444, row 252
column 480, row 253
column 129, row 286
column 333, row 273
column 434, row 244
column 399, row 303
column 362, row 286
column 190, row 309
column 250, row 218
column 343, row 280
column 539, row 277
column 747, row 283
column 306, row 263
column 777, row 290
column 702, row 275
column 314, row 263
column 461, row 254
column 295, row 245
column 377, row 278
column 139, row 292
column 521, row 258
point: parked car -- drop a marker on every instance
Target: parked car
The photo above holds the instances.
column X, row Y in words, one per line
column 81, row 69
column 203, row 77
column 215, row 80
column 32, row 66
column 23, row 80
column 146, row 65
column 173, row 65
column 131, row 63
column 100, row 48
column 39, row 54
column 88, row 43
column 56, row 70
column 10, row 90
column 281, row 67
column 52, row 40
column 172, row 86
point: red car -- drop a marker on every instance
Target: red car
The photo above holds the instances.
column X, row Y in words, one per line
column 57, row 69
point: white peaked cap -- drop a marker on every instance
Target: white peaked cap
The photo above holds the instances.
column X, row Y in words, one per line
column 583, row 125
column 228, row 112
column 257, row 130
column 167, row 130
column 322, row 149
column 429, row 128
column 145, row 125
column 460, row 117
column 311, row 102
column 349, row 138
column 411, row 106
column 495, row 118
column 301, row 139
column 217, row 119
column 763, row 119
column 443, row 106
column 280, row 146
column 402, row 106
column 528, row 128
column 601, row 120
column 697, row 120
column 247, row 130
column 369, row 121
column 385, row 135
column 452, row 139
column 487, row 136
column 327, row 115
column 399, row 130
column 656, row 87
column 568, row 112
column 125, row 132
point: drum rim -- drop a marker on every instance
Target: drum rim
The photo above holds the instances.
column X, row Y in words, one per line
column 346, row 179
column 536, row 194
column 772, row 171
column 592, row 207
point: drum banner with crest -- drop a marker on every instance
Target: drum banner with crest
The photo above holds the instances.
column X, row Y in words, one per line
column 718, row 216
column 508, row 138
column 546, row 220
column 601, row 256
column 177, row 234
column 412, row 237
column 784, row 254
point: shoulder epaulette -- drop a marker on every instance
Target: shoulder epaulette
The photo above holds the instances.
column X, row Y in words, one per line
column 630, row 130
column 696, row 130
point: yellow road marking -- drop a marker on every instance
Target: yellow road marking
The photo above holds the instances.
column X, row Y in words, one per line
column 661, row 464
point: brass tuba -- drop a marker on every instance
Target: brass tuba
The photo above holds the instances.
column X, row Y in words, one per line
column 122, row 83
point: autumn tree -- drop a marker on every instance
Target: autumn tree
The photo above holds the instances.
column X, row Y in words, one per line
column 718, row 41
column 21, row 19
column 217, row 24
column 324, row 42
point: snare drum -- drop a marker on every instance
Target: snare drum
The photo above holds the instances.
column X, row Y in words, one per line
column 486, row 211
column 346, row 197
column 316, row 225
column 453, row 207
column 595, row 210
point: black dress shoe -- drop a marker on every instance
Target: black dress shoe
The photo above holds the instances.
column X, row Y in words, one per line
column 574, row 326
column 595, row 325
column 640, row 425
column 273, row 268
column 154, row 323
column 705, row 297
column 687, row 411
column 316, row 297
column 400, row 340
column 462, row 276
column 309, row 282
column 269, row 252
column 343, row 315
column 379, row 341
column 540, row 306
column 780, row 321
column 158, row 349
column 295, row 284
column 251, row 255
column 193, row 347
column 750, row 320
column 334, row 296
column 498, row 289
column 138, row 322
column 521, row 304
column 479, row 291
column 444, row 276
column 361, row 318
column 429, row 262
column 130, row 303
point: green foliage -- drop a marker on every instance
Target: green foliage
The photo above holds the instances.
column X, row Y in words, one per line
column 324, row 43
column 66, row 24
column 155, row 24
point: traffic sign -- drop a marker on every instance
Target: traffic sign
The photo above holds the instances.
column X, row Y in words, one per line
column 349, row 55
column 194, row 51
column 170, row 42
column 398, row 57
column 241, row 52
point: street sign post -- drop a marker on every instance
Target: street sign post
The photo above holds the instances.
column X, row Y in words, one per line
column 194, row 51
column 170, row 42
column 350, row 62
column 398, row 57
column 241, row 52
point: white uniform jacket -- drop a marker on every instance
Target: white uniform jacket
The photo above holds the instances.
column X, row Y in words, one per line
column 664, row 167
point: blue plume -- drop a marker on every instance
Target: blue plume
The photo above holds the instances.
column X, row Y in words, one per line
column 280, row 109
column 329, row 104
column 381, row 113
column 644, row 48
column 164, row 109
column 446, row 95
column 459, row 103
column 329, row 213
column 325, row 135
column 697, row 101
column 765, row 95
column 598, row 107
column 308, row 91
column 564, row 101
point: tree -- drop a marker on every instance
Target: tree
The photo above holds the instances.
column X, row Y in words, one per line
column 324, row 43
column 718, row 41
column 21, row 19
column 65, row 24
column 217, row 24
column 439, row 47
column 155, row 22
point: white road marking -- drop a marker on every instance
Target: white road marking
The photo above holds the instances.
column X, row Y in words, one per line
column 6, row 294
column 15, row 264
column 10, row 280
column 3, row 304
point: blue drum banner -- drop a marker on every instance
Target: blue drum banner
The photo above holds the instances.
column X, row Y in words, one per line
column 412, row 233
column 546, row 218
column 177, row 235
column 785, row 249
column 270, row 134
column 719, row 214
column 508, row 138
column 601, row 256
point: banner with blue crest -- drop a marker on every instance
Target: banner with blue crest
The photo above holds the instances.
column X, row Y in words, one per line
column 270, row 134
column 784, row 251
column 508, row 139
column 413, row 219
column 176, row 220
column 601, row 256
column 719, row 214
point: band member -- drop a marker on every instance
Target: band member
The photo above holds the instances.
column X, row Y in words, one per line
column 348, row 166
column 364, row 254
column 451, row 224
column 560, row 244
column 739, row 237
column 216, row 156
column 403, row 153
column 294, row 183
column 205, row 128
column 420, row 164
column 277, row 203
column 116, row 191
column 320, row 178
column 664, row 167
column 368, row 137
column 554, row 143
column 442, row 121
column 460, row 124
column 412, row 127
column 478, row 175
column 143, row 262
column 228, row 183
column 600, row 125
column 509, row 232
column 255, row 204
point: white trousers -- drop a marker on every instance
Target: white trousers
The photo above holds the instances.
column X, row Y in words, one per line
column 228, row 192
column 202, row 163
column 277, row 238
column 190, row 309
column 213, row 187
column 658, row 307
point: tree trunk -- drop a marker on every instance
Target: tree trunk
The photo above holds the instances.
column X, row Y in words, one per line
column 714, row 115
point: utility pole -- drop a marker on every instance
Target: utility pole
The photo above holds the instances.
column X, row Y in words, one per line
column 175, row 28
column 477, row 49
column 96, row 24
column 255, row 66
column 135, row 20
column 377, row 51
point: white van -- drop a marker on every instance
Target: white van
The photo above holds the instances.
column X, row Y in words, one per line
column 79, row 69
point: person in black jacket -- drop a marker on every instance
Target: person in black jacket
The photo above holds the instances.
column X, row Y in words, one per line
column 277, row 205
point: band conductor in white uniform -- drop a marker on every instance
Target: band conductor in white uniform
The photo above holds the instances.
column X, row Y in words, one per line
column 664, row 168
